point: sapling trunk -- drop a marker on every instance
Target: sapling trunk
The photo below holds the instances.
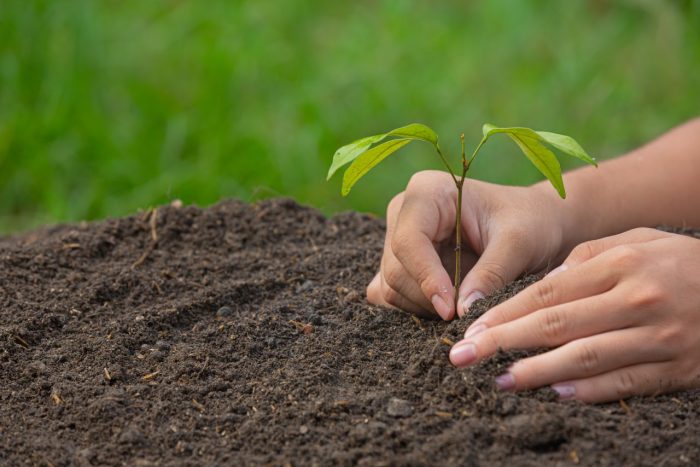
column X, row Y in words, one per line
column 458, row 224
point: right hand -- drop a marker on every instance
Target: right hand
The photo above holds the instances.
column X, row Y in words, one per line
column 505, row 231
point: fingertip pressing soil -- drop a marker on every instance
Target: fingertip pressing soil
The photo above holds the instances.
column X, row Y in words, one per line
column 239, row 334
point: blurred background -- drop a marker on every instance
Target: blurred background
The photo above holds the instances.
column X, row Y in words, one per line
column 107, row 107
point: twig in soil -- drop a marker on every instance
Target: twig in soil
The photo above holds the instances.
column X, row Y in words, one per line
column 154, row 220
column 573, row 455
column 19, row 341
column 70, row 246
column 108, row 376
column 198, row 405
column 418, row 322
column 143, row 257
column 206, row 361
column 56, row 398
column 157, row 287
column 305, row 328
column 443, row 414
column 154, row 240
column 625, row 407
column 150, row 376
column 447, row 341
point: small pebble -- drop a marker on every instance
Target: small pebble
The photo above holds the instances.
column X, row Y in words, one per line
column 352, row 296
column 399, row 408
column 163, row 345
column 315, row 319
column 307, row 285
column 303, row 429
column 37, row 367
column 158, row 355
column 224, row 312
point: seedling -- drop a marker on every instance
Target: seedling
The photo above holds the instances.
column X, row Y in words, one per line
column 367, row 152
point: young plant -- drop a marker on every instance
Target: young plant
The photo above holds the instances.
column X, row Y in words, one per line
column 367, row 152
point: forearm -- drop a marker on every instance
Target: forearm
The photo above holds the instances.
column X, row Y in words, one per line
column 659, row 183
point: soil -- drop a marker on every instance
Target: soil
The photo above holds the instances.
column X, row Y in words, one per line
column 239, row 334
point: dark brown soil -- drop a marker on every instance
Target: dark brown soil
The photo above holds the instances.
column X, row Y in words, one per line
column 112, row 352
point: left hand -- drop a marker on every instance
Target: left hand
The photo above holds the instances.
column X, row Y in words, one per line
column 622, row 316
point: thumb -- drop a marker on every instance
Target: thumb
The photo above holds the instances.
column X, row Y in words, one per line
column 503, row 260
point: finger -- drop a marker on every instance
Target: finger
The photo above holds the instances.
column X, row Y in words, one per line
column 396, row 277
column 644, row 379
column 557, row 325
column 503, row 260
column 392, row 271
column 379, row 293
column 425, row 219
column 584, row 358
column 588, row 279
column 588, row 250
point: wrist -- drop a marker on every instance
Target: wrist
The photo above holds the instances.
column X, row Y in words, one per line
column 567, row 219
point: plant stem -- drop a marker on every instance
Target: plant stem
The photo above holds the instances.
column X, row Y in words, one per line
column 458, row 222
column 458, row 241
column 447, row 164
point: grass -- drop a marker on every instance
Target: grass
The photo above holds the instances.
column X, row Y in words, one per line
column 111, row 106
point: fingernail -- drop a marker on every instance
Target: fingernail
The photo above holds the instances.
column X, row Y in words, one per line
column 471, row 298
column 505, row 382
column 565, row 391
column 440, row 306
column 556, row 271
column 463, row 353
column 475, row 329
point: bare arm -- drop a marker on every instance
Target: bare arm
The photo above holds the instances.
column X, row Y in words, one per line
column 658, row 183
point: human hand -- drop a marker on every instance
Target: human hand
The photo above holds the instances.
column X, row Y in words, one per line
column 506, row 230
column 622, row 314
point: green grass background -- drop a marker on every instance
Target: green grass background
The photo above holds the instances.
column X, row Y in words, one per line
column 111, row 106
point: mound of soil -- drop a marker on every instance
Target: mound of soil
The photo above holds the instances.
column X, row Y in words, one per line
column 239, row 334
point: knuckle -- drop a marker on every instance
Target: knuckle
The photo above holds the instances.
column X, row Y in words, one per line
column 395, row 204
column 625, row 257
column 583, row 251
column 493, row 275
column 400, row 242
column 647, row 296
column 553, row 324
column 420, row 179
column 645, row 232
column 625, row 383
column 518, row 238
column 670, row 337
column 391, row 296
column 424, row 280
column 545, row 294
column 588, row 359
column 393, row 275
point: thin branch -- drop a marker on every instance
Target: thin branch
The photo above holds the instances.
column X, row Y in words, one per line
column 476, row 151
column 447, row 164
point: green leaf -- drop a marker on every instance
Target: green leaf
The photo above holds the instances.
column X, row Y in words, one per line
column 567, row 145
column 349, row 152
column 530, row 144
column 368, row 160
column 416, row 131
